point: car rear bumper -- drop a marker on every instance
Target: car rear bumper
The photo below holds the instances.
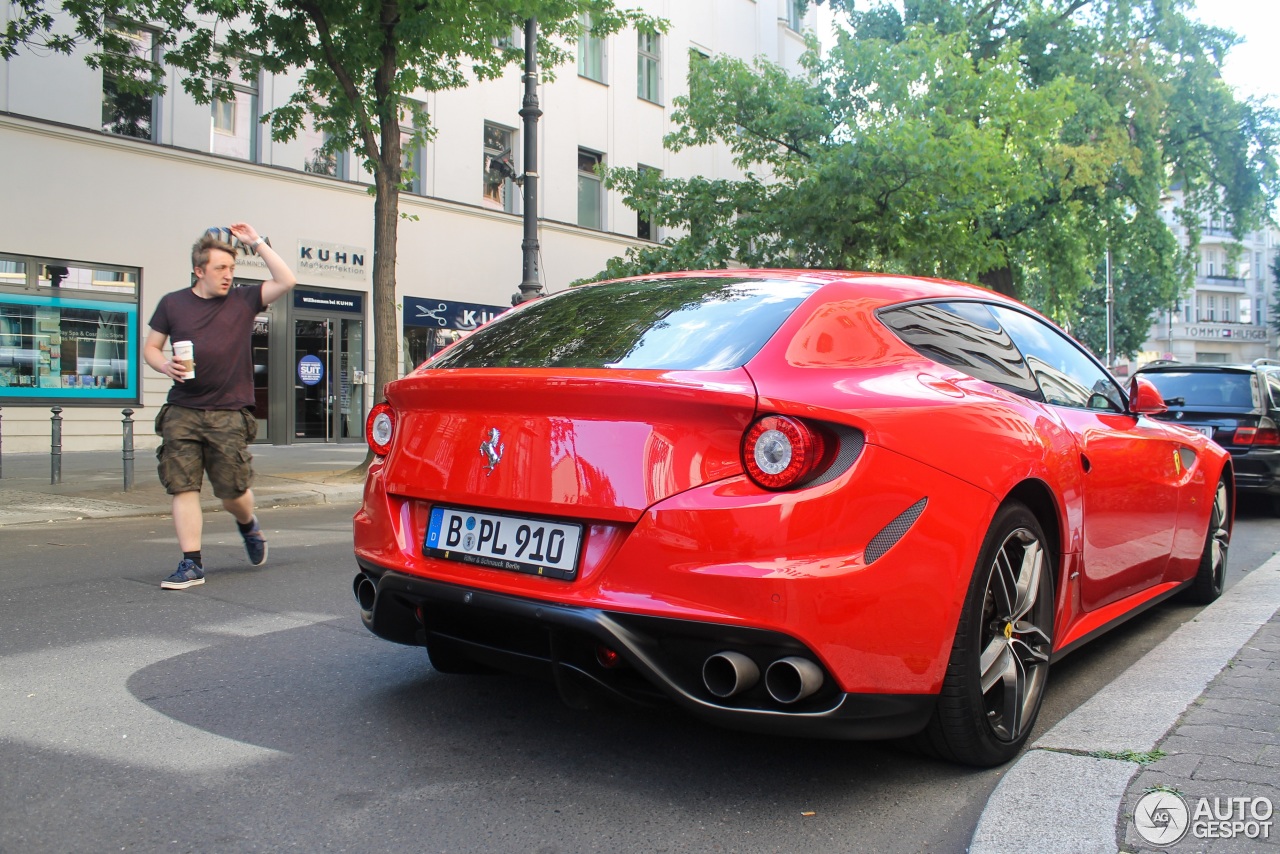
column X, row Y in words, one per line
column 657, row 658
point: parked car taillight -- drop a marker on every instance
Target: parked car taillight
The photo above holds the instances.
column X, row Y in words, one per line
column 1265, row 434
column 781, row 452
column 379, row 428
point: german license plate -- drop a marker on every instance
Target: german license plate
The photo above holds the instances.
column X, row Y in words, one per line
column 1207, row 432
column 499, row 541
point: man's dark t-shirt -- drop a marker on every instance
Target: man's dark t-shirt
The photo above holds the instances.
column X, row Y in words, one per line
column 222, row 331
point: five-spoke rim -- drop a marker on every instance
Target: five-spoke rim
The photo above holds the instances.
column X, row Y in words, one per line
column 1219, row 535
column 1017, row 634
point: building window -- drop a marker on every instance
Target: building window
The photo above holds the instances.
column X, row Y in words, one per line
column 793, row 15
column 413, row 161
column 645, row 227
column 648, row 67
column 513, row 40
column 499, row 168
column 68, row 332
column 126, row 112
column 235, row 120
column 317, row 159
column 590, row 207
column 590, row 52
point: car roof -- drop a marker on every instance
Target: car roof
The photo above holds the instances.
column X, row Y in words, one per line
column 878, row 288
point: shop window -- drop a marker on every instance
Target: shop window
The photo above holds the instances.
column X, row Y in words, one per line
column 590, row 52
column 68, row 333
column 125, row 110
column 499, row 168
column 235, row 120
column 649, row 67
column 590, row 206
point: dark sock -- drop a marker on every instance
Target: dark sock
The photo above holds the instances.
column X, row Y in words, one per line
column 194, row 557
column 246, row 527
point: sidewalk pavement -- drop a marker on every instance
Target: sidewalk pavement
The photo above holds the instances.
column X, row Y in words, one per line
column 92, row 483
column 1199, row 715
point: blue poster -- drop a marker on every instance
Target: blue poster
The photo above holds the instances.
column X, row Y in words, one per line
column 310, row 370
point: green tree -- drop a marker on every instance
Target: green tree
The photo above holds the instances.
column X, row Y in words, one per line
column 356, row 63
column 1007, row 142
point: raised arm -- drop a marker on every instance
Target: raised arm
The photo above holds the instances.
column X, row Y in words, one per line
column 282, row 279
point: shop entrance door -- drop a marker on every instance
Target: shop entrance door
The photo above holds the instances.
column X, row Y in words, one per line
column 328, row 380
column 313, row 395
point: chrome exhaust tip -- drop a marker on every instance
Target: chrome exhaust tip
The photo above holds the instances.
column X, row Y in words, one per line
column 791, row 679
column 728, row 673
column 366, row 592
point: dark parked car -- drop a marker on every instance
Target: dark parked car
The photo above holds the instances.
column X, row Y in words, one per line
column 1237, row 406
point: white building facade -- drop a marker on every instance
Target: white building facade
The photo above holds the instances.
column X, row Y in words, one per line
column 1227, row 315
column 102, row 200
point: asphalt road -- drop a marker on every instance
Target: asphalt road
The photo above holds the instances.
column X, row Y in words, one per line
column 255, row 713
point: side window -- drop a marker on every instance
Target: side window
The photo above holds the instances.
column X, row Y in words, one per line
column 1065, row 373
column 1273, row 388
column 964, row 336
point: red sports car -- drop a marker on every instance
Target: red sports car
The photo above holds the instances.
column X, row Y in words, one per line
column 810, row 503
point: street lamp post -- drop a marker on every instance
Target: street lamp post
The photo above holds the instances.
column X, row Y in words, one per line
column 1111, row 337
column 530, row 288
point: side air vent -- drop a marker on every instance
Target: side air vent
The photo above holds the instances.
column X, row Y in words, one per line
column 894, row 531
column 851, row 443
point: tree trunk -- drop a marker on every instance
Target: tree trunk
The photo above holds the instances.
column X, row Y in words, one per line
column 999, row 280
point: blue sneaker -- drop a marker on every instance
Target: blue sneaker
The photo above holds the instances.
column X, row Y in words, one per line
column 255, row 544
column 186, row 575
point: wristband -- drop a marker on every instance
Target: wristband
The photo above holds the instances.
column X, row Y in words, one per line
column 254, row 244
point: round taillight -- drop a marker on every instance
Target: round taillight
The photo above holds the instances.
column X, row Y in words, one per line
column 780, row 452
column 379, row 428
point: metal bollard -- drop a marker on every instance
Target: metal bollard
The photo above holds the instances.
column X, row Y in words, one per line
column 55, row 450
column 128, row 449
column 1, row 444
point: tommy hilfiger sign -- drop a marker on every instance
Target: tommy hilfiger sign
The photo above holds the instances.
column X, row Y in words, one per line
column 335, row 260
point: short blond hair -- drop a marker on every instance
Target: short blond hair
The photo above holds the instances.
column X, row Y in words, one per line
column 200, row 249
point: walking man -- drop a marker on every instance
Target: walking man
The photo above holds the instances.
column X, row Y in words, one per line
column 208, row 422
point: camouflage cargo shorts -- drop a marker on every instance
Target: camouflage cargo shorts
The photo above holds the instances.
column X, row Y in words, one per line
column 194, row 441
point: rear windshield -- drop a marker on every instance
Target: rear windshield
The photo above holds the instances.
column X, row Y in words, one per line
column 1192, row 389
column 696, row 324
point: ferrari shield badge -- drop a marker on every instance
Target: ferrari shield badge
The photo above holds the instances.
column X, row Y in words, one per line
column 491, row 449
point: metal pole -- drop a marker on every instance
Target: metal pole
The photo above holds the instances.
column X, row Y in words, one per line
column 55, row 449
column 128, row 449
column 1111, row 345
column 1, row 444
column 530, row 288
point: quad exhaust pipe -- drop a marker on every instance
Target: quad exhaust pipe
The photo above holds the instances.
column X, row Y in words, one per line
column 729, row 673
column 366, row 592
column 788, row 680
column 791, row 679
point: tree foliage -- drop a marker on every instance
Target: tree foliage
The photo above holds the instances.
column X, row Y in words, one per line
column 1008, row 142
column 357, row 63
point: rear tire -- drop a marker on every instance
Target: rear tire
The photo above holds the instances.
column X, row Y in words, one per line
column 1212, row 573
column 999, row 663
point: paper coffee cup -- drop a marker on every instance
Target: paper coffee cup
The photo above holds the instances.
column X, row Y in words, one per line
column 184, row 353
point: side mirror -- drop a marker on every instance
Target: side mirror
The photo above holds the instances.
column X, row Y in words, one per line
column 1144, row 398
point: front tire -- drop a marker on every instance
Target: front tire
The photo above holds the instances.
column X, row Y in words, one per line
column 1212, row 573
column 999, row 663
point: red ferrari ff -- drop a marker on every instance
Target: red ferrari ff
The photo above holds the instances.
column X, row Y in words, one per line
column 811, row 503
